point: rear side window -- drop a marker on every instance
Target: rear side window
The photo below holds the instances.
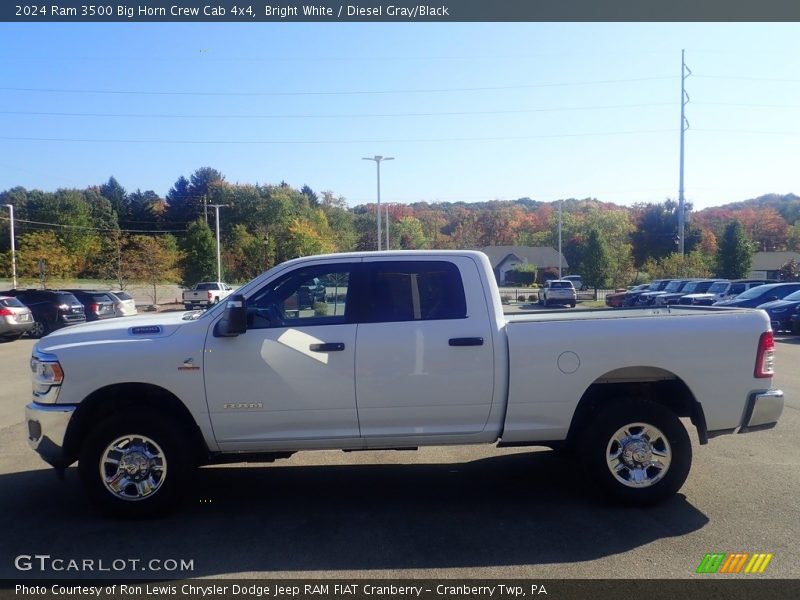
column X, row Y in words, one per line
column 9, row 302
column 413, row 291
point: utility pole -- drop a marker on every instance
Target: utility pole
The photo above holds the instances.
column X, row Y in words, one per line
column 13, row 247
column 205, row 207
column 560, row 259
column 388, row 247
column 219, row 260
column 377, row 158
column 685, row 72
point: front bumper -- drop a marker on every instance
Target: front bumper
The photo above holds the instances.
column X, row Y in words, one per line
column 47, row 427
column 762, row 411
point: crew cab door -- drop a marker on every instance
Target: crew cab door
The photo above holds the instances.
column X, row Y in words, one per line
column 424, row 356
column 288, row 380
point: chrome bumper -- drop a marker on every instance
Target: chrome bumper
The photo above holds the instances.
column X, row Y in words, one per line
column 47, row 426
column 762, row 411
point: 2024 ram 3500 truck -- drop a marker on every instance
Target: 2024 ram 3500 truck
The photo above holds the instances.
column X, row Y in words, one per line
column 409, row 349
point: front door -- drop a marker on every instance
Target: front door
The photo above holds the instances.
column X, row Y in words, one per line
column 289, row 378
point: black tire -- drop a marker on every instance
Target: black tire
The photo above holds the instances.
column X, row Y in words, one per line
column 39, row 329
column 173, row 454
column 572, row 305
column 596, row 448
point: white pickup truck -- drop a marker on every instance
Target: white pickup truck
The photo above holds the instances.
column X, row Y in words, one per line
column 206, row 293
column 408, row 349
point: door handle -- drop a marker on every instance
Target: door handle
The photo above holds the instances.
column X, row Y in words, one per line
column 466, row 341
column 329, row 347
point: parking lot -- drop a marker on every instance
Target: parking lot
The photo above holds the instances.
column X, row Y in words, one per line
column 437, row 513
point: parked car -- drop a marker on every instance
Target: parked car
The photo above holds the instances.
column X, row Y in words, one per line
column 558, row 291
column 97, row 305
column 761, row 295
column 310, row 293
column 794, row 320
column 617, row 299
column 124, row 306
column 673, row 292
column 695, row 287
column 780, row 311
column 725, row 290
column 648, row 296
column 577, row 281
column 52, row 309
column 632, row 297
column 15, row 318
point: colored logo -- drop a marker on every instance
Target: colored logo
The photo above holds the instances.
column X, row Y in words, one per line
column 734, row 562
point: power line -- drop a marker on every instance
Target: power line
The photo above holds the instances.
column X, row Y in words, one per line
column 311, row 142
column 332, row 116
column 17, row 220
column 334, row 93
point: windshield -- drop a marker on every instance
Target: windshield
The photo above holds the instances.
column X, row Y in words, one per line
column 561, row 285
column 794, row 296
column 674, row 286
column 755, row 292
column 690, row 287
column 206, row 286
column 718, row 287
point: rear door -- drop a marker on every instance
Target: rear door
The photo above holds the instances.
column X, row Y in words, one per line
column 424, row 355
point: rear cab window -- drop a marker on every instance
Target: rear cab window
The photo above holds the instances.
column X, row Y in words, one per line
column 412, row 291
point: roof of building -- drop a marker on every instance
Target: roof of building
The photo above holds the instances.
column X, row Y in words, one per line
column 541, row 256
column 772, row 261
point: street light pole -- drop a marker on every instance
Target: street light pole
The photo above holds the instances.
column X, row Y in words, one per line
column 13, row 247
column 377, row 158
column 388, row 247
column 219, row 260
column 560, row 258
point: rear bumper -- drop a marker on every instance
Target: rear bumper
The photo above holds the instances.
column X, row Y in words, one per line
column 47, row 427
column 762, row 411
column 15, row 328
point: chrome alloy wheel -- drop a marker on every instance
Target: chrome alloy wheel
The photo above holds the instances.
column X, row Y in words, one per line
column 133, row 467
column 638, row 455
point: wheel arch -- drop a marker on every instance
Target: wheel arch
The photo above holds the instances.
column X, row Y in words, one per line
column 640, row 382
column 108, row 400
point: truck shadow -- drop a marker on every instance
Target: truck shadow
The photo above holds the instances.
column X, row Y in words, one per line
column 514, row 509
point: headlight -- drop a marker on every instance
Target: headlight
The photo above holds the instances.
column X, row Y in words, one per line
column 47, row 374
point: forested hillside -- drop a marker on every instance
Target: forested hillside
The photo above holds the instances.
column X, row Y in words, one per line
column 108, row 232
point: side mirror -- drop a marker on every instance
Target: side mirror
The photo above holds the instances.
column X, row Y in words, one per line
column 234, row 319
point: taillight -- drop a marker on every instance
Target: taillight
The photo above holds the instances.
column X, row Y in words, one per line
column 95, row 308
column 765, row 357
column 6, row 312
column 210, row 296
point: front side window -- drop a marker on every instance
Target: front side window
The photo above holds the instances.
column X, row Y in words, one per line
column 413, row 291
column 307, row 296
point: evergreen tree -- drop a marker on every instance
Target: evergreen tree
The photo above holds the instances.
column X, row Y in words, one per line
column 734, row 254
column 596, row 262
column 200, row 248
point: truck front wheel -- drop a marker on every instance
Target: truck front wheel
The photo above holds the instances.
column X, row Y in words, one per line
column 638, row 452
column 134, row 464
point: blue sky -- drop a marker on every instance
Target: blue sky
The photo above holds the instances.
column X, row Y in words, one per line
column 470, row 111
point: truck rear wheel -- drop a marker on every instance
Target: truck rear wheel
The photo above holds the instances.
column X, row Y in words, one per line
column 135, row 463
column 638, row 452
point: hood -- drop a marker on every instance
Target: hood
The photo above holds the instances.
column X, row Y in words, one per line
column 701, row 296
column 779, row 304
column 115, row 330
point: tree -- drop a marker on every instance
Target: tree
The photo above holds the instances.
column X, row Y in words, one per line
column 734, row 255
column 154, row 260
column 114, row 260
column 596, row 262
column 44, row 246
column 790, row 271
column 200, row 250
column 118, row 197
